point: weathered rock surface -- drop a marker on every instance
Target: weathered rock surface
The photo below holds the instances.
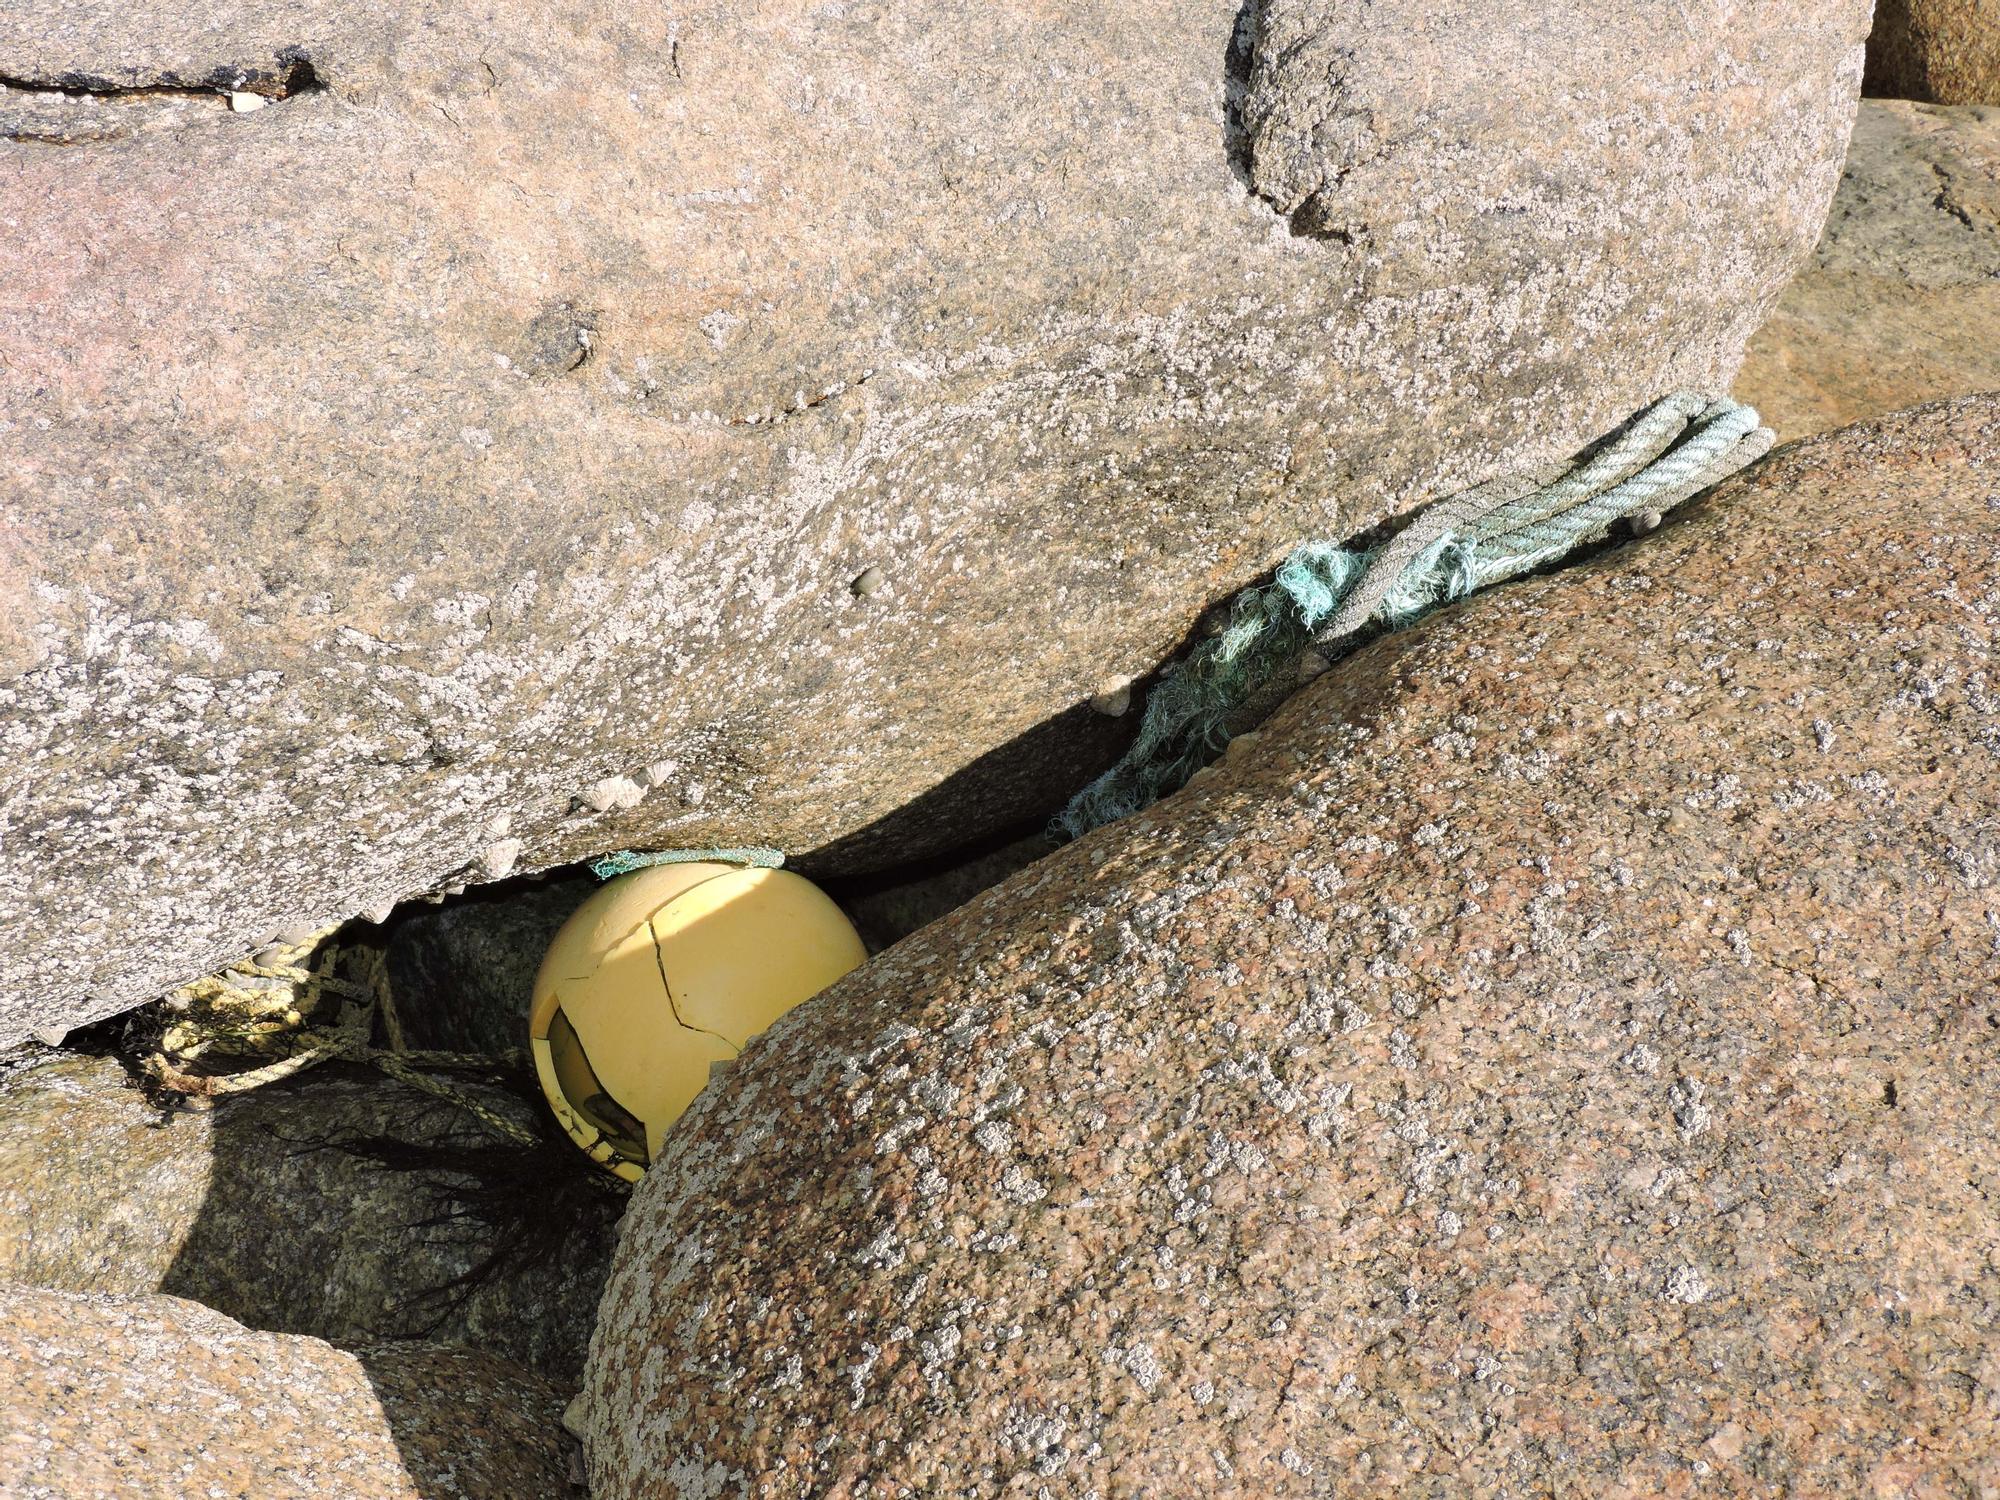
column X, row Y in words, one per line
column 1557, row 1056
column 154, row 1398
column 465, row 970
column 1944, row 51
column 1900, row 304
column 546, row 429
column 246, row 1209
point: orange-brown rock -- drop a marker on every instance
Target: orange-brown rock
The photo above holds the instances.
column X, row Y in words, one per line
column 1900, row 304
column 1944, row 51
column 1560, row 1054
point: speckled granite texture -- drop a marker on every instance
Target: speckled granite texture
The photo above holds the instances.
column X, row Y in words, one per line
column 1945, row 51
column 1560, row 1055
column 248, row 1208
column 154, row 1398
column 468, row 460
column 1901, row 302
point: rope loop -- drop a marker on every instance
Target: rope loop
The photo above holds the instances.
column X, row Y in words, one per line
column 318, row 1000
column 267, row 1007
column 625, row 861
column 1324, row 600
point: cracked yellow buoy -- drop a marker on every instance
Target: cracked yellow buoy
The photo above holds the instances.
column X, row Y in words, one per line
column 663, row 974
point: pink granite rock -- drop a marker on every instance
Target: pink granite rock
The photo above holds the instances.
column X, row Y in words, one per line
column 153, row 1398
column 1559, row 1055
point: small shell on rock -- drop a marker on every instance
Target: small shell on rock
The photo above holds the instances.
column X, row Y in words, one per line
column 612, row 791
column 498, row 859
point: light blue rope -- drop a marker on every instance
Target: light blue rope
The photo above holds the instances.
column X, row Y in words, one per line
column 1331, row 599
column 625, row 861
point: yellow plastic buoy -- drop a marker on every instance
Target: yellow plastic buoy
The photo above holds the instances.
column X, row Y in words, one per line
column 659, row 976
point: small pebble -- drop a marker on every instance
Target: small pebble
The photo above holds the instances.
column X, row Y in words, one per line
column 1643, row 522
column 1113, row 697
column 869, row 584
column 243, row 102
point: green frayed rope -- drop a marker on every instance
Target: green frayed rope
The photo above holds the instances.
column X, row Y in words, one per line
column 1326, row 600
column 625, row 861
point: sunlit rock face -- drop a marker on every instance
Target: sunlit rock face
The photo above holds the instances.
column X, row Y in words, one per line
column 447, row 439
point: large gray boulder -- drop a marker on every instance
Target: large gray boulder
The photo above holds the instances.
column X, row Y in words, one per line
column 537, row 430
column 1557, row 1055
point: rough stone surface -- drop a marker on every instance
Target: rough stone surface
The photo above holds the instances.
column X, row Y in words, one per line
column 1943, row 51
column 155, row 1398
column 235, row 1208
column 464, row 972
column 1901, row 303
column 1557, row 1056
column 468, row 459
column 887, row 910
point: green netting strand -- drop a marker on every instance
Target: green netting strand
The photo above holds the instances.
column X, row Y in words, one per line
column 1330, row 599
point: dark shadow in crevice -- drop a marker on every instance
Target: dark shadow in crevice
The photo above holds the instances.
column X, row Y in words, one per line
column 290, row 74
column 350, row 1206
column 888, row 905
column 339, row 1204
column 1012, row 787
column 1235, row 84
column 469, row 961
